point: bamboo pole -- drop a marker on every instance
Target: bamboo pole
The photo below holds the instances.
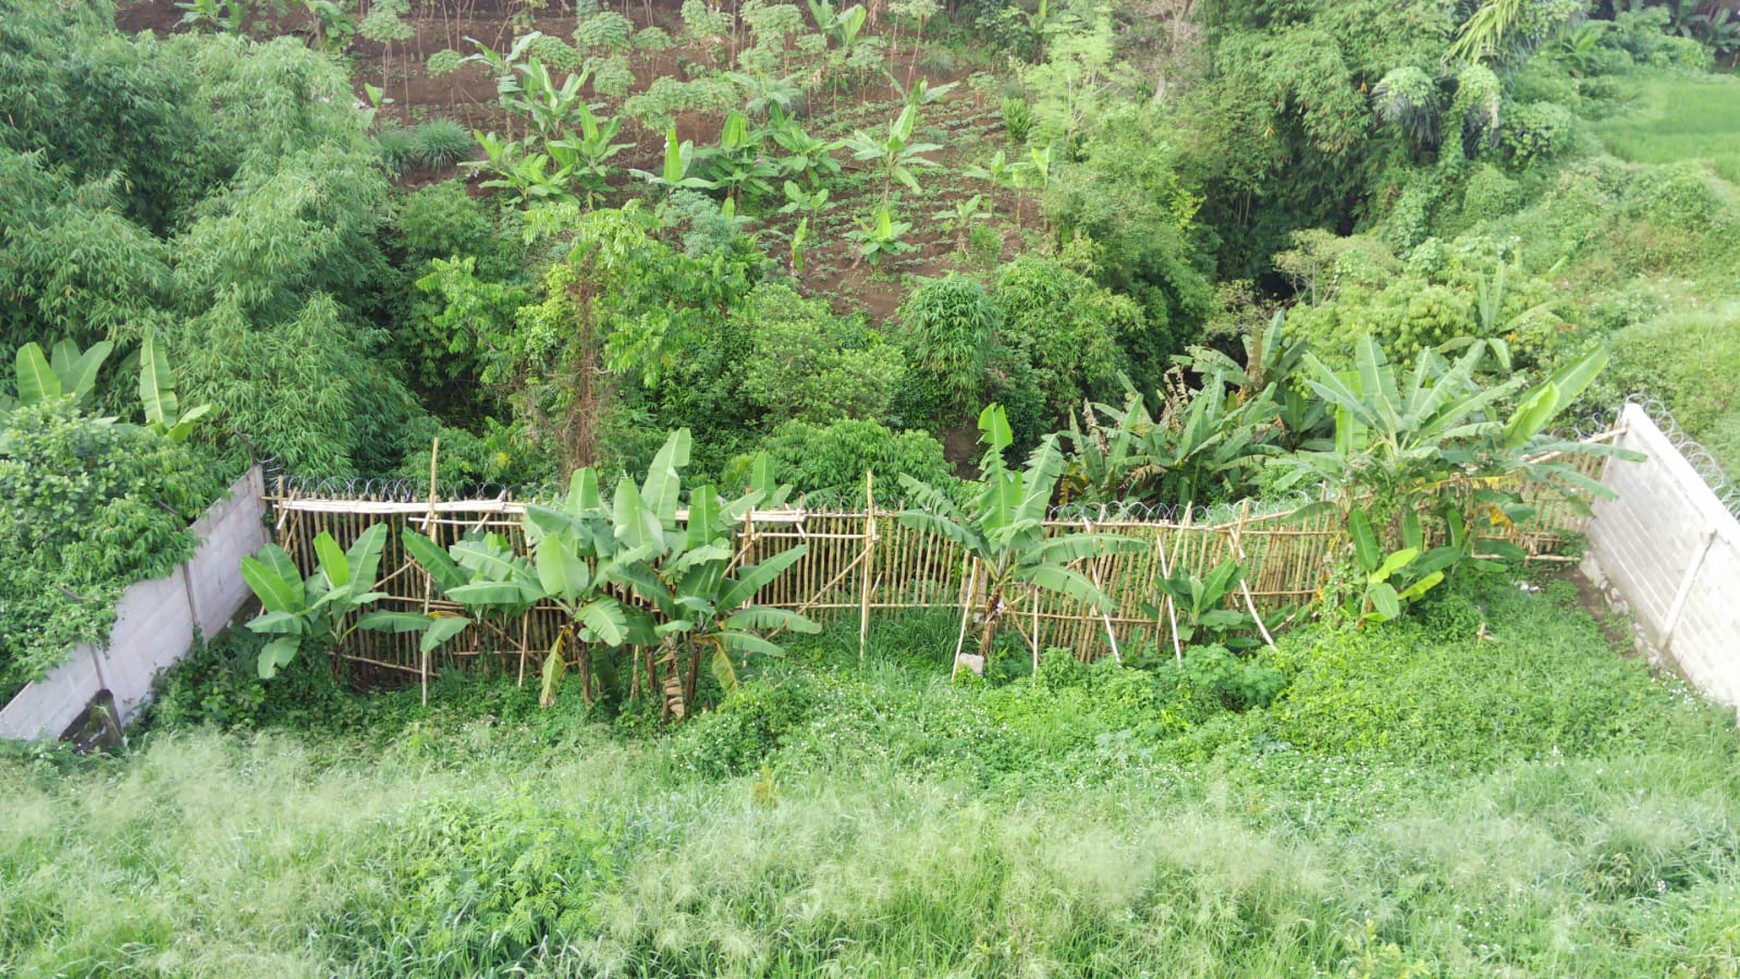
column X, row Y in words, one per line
column 869, row 560
column 1171, row 609
column 1104, row 617
column 1239, row 550
column 428, row 581
column 969, row 577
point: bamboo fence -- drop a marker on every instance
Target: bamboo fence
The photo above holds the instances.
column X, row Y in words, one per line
column 869, row 561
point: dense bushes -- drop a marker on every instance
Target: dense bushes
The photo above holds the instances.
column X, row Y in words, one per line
column 91, row 507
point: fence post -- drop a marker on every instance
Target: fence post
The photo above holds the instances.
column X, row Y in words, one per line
column 1672, row 621
column 869, row 561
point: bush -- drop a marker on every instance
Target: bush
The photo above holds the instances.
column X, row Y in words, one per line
column 441, row 143
column 807, row 364
column 398, row 149
column 91, row 507
column 828, row 462
column 946, row 328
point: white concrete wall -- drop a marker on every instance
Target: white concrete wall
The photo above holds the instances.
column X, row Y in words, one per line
column 1670, row 550
column 154, row 622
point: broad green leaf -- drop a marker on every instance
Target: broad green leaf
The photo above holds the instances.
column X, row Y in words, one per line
column 703, row 518
column 752, row 578
column 264, row 575
column 442, row 629
column 583, row 492
column 637, row 526
column 394, row 622
column 1365, row 543
column 156, row 386
column 1068, row 582
column 605, row 620
column 331, row 559
column 560, row 570
column 994, row 426
column 496, row 593
column 78, row 372
column 762, row 617
column 1393, row 563
column 745, row 642
column 279, row 652
column 364, row 556
column 276, row 624
column 438, row 563
column 663, row 486
column 37, row 382
column 1384, row 601
column 1421, row 587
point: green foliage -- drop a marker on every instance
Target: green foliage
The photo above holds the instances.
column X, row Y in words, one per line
column 92, row 507
column 827, row 462
column 946, row 329
column 319, row 610
column 881, row 236
column 806, row 364
column 1072, row 334
column 441, row 143
column 1002, row 525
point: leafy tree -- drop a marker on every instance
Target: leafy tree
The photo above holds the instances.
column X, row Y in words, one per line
column 809, row 365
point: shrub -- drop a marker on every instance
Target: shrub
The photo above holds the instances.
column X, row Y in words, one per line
column 810, row 365
column 444, row 62
column 398, row 149
column 1066, row 329
column 441, row 143
column 91, row 507
column 611, row 76
column 828, row 462
column 652, row 39
column 946, row 328
column 607, row 30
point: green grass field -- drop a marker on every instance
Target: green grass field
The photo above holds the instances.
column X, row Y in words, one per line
column 1677, row 119
column 1434, row 799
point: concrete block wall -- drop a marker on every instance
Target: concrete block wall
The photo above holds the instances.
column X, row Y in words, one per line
column 1671, row 551
column 154, row 622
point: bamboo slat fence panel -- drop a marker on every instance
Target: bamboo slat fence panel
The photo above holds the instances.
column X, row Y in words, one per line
column 869, row 562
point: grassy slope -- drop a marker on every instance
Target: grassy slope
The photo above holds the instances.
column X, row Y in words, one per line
column 1675, row 118
column 1417, row 802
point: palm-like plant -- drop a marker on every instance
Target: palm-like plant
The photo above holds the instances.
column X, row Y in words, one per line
column 1273, row 369
column 679, row 165
column 1003, row 528
column 1436, row 438
column 328, row 606
column 1206, row 443
column 70, row 374
column 691, row 596
column 587, row 154
column 881, row 236
column 895, row 155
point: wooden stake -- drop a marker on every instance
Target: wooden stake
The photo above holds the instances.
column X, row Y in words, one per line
column 428, row 525
column 1238, row 549
column 1093, row 566
column 869, row 561
column 969, row 577
column 1171, row 610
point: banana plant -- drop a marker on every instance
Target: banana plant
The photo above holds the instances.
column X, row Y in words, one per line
column 1200, row 604
column 1003, row 528
column 1206, row 441
column 737, row 163
column 587, row 154
column 550, row 109
column 961, row 217
column 1396, row 579
column 70, row 374
column 1274, row 367
column 327, row 607
column 163, row 413
column 690, row 595
column 895, row 156
column 679, row 162
column 881, row 236
column 808, row 157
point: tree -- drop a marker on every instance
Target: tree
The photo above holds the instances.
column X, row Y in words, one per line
column 1002, row 527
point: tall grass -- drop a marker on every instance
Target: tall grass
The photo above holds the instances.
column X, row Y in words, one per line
column 891, row 824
